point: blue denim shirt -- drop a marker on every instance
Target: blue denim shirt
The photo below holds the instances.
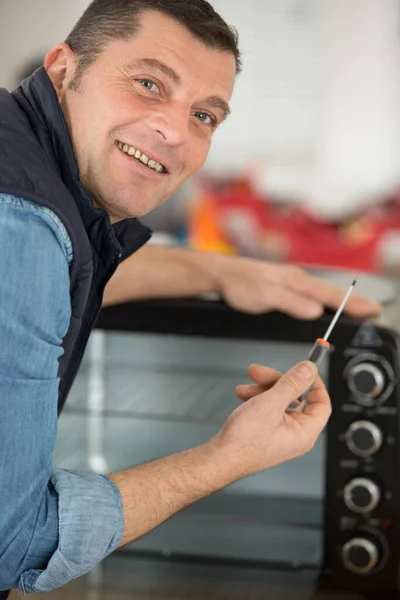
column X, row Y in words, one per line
column 55, row 524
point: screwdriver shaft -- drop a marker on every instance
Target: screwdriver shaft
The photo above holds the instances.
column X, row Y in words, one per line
column 338, row 312
column 318, row 352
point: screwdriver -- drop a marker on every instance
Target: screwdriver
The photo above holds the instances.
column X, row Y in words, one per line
column 319, row 350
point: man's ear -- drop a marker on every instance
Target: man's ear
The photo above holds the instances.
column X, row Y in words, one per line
column 60, row 64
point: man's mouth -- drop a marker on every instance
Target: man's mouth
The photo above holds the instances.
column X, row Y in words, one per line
column 137, row 154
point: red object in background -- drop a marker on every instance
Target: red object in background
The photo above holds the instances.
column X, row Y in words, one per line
column 352, row 244
column 244, row 222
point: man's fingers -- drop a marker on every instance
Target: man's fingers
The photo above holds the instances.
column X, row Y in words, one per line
column 289, row 387
column 293, row 384
column 264, row 378
column 316, row 413
column 330, row 295
column 294, row 304
column 245, row 392
column 358, row 306
column 263, row 375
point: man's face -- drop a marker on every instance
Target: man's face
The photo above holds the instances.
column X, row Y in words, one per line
column 160, row 94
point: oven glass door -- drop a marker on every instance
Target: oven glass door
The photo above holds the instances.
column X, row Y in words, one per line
column 143, row 396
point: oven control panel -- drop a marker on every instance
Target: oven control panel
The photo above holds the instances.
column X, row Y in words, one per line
column 362, row 533
column 364, row 438
column 370, row 379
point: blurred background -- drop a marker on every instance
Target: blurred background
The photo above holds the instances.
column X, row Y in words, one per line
column 306, row 169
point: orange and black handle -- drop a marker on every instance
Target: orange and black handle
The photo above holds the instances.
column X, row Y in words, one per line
column 317, row 354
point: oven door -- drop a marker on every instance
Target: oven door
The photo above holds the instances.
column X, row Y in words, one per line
column 142, row 395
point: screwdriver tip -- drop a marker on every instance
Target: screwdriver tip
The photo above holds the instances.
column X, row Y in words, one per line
column 354, row 283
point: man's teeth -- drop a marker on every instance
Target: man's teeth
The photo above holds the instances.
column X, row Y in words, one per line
column 142, row 157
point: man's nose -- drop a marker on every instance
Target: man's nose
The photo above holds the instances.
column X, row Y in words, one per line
column 172, row 123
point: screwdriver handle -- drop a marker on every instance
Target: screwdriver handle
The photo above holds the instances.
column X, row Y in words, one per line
column 316, row 355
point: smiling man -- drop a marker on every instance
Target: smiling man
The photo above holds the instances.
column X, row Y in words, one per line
column 143, row 115
column 120, row 116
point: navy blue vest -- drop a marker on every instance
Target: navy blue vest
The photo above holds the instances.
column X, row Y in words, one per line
column 37, row 163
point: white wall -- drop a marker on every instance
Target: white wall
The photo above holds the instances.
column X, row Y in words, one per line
column 276, row 102
column 317, row 107
column 321, row 89
column 28, row 28
column 359, row 149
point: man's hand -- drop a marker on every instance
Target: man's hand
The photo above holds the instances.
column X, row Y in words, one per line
column 260, row 433
column 257, row 286
column 246, row 284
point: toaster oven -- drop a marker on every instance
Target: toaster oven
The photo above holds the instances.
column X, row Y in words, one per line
column 158, row 377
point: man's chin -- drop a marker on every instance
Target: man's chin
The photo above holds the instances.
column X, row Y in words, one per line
column 140, row 208
column 124, row 204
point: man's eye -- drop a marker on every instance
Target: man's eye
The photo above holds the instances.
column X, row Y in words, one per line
column 206, row 118
column 149, row 85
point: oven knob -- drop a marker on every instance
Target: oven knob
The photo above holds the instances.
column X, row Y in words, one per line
column 366, row 379
column 360, row 555
column 361, row 495
column 363, row 438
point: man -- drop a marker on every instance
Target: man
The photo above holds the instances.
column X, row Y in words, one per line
column 120, row 116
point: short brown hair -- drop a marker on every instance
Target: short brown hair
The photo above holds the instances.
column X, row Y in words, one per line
column 106, row 20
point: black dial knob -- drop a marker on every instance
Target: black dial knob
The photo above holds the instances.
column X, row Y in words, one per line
column 361, row 495
column 364, row 438
column 366, row 380
column 360, row 555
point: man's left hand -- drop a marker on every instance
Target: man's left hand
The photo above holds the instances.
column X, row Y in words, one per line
column 257, row 286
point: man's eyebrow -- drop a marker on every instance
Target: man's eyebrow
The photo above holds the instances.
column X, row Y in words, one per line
column 153, row 63
column 217, row 102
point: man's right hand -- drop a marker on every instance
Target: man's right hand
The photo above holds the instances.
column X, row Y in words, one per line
column 260, row 433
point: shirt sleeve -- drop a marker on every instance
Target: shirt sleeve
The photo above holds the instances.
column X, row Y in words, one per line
column 55, row 525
